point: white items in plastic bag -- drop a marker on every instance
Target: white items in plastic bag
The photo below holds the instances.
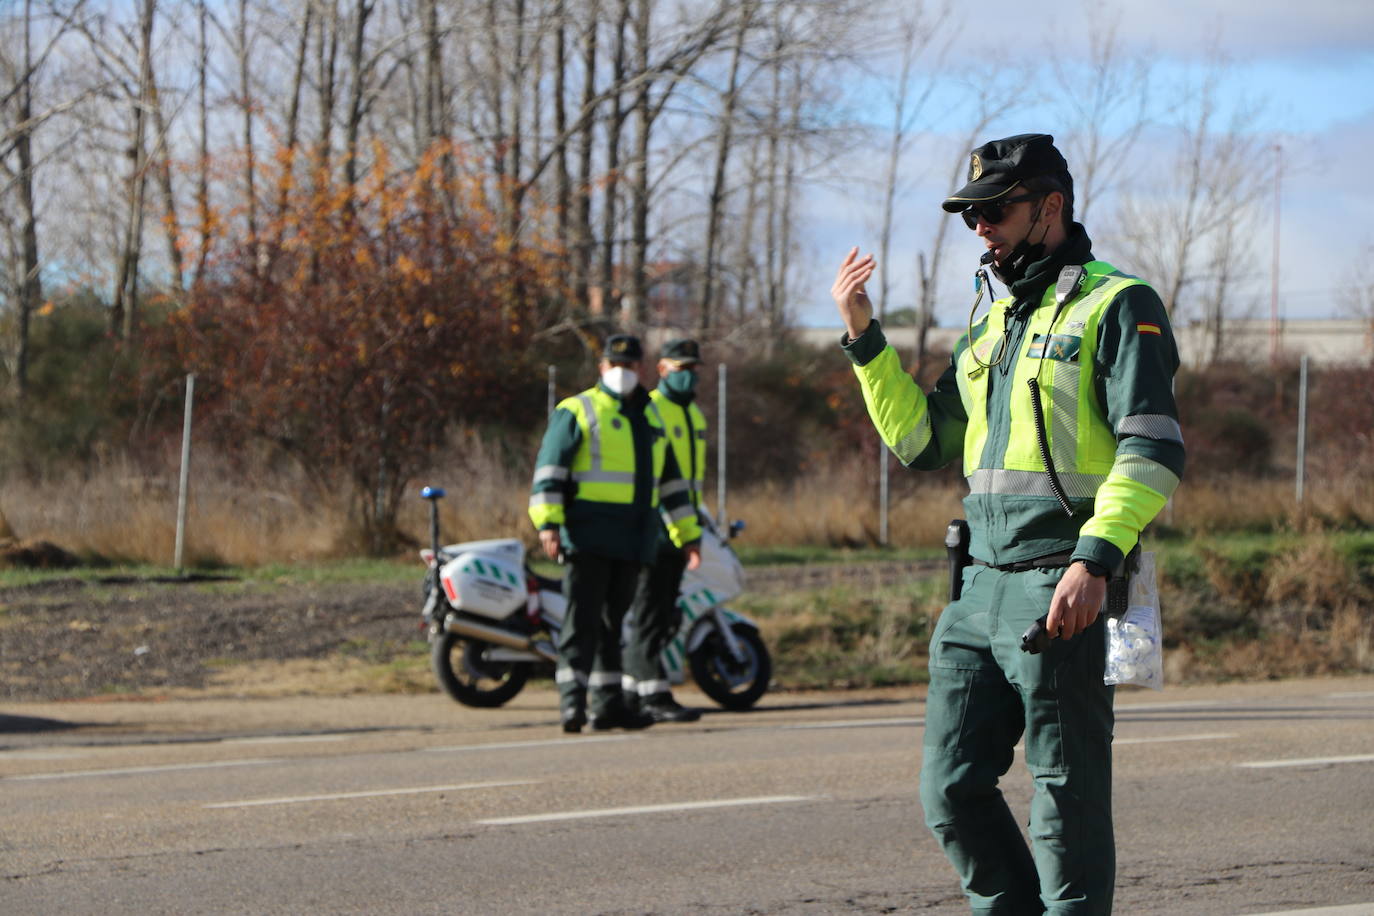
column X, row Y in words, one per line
column 1135, row 639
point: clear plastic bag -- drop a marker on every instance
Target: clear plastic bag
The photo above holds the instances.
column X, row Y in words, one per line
column 1135, row 639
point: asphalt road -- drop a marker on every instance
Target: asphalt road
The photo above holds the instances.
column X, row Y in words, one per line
column 1236, row 799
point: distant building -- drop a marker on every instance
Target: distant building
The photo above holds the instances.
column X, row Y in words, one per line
column 1325, row 341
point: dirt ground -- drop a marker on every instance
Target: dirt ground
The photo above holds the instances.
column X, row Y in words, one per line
column 69, row 638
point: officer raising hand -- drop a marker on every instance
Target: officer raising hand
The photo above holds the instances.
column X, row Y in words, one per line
column 1059, row 404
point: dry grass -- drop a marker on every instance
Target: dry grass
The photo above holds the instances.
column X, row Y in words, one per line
column 127, row 513
column 1231, row 504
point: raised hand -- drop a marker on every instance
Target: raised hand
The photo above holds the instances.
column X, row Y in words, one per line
column 848, row 292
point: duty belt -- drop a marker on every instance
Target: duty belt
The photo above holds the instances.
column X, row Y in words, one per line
column 1052, row 561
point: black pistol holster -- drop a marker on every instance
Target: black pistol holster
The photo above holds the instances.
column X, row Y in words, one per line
column 956, row 549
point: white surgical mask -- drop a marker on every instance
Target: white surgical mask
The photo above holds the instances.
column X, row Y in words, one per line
column 620, row 380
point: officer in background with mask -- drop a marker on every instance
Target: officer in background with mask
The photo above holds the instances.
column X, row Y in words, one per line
column 656, row 612
column 1060, row 403
column 603, row 473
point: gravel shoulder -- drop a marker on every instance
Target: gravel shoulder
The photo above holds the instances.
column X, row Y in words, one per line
column 68, row 638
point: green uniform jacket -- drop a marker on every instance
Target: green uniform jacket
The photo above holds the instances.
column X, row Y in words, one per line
column 1104, row 361
column 619, row 521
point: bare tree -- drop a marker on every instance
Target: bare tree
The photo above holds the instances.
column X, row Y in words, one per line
column 725, row 133
column 915, row 33
column 30, row 284
column 1105, row 95
column 1217, row 176
column 124, row 311
column 987, row 105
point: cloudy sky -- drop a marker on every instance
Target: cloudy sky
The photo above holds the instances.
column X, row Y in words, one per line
column 1309, row 66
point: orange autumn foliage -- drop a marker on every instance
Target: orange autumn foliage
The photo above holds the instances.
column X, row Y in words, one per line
column 334, row 333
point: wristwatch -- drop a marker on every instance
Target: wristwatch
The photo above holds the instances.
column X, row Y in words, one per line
column 1095, row 569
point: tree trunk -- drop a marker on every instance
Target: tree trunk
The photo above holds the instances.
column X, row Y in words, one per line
column 606, row 276
column 292, row 139
column 636, row 284
column 715, row 203
column 359, row 68
column 583, row 253
column 326, row 60
column 203, row 166
column 30, row 284
column 562, row 177
column 250, row 166
column 124, row 312
column 171, row 224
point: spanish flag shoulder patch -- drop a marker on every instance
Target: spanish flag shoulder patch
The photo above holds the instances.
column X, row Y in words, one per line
column 1145, row 328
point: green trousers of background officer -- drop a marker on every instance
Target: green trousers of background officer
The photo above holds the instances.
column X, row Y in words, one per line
column 600, row 591
column 657, row 618
column 985, row 694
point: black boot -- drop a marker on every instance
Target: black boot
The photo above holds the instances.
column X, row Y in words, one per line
column 574, row 717
column 618, row 715
column 661, row 707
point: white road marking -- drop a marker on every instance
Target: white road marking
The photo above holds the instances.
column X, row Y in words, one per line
column 646, row 809
column 858, row 723
column 1182, row 704
column 1307, row 761
column 130, row 771
column 516, row 745
column 1359, row 695
column 376, row 793
column 1219, row 736
column 287, row 739
column 1158, row 739
column 38, row 755
column 1355, row 909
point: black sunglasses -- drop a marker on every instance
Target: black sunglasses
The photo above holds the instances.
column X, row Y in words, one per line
column 994, row 213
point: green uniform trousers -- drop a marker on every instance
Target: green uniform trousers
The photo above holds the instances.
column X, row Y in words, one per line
column 985, row 694
column 656, row 621
column 599, row 592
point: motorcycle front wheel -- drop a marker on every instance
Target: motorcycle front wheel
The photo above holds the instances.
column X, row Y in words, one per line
column 470, row 678
column 734, row 684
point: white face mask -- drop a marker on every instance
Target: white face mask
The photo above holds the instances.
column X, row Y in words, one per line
column 620, row 380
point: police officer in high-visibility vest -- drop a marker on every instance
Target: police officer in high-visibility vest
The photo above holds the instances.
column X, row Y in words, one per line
column 656, row 612
column 603, row 473
column 1059, row 402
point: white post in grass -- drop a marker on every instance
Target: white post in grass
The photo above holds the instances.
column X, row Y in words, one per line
column 185, row 472
column 1302, row 426
column 722, row 522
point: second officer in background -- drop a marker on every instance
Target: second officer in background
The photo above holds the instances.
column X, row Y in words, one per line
column 656, row 612
column 601, row 471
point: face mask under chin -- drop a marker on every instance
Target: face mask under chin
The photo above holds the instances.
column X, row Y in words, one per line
column 1013, row 267
column 1024, row 254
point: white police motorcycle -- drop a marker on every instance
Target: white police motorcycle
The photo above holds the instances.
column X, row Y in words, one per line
column 491, row 620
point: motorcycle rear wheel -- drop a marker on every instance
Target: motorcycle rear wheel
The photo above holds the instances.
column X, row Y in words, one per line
column 732, row 684
column 470, row 679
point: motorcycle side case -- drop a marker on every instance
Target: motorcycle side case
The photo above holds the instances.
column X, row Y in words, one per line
column 486, row 578
column 718, row 579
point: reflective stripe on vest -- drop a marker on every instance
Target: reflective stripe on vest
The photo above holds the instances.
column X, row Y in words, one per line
column 604, row 466
column 1055, row 351
column 686, row 431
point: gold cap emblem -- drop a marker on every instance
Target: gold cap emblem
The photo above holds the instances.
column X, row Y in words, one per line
column 975, row 167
